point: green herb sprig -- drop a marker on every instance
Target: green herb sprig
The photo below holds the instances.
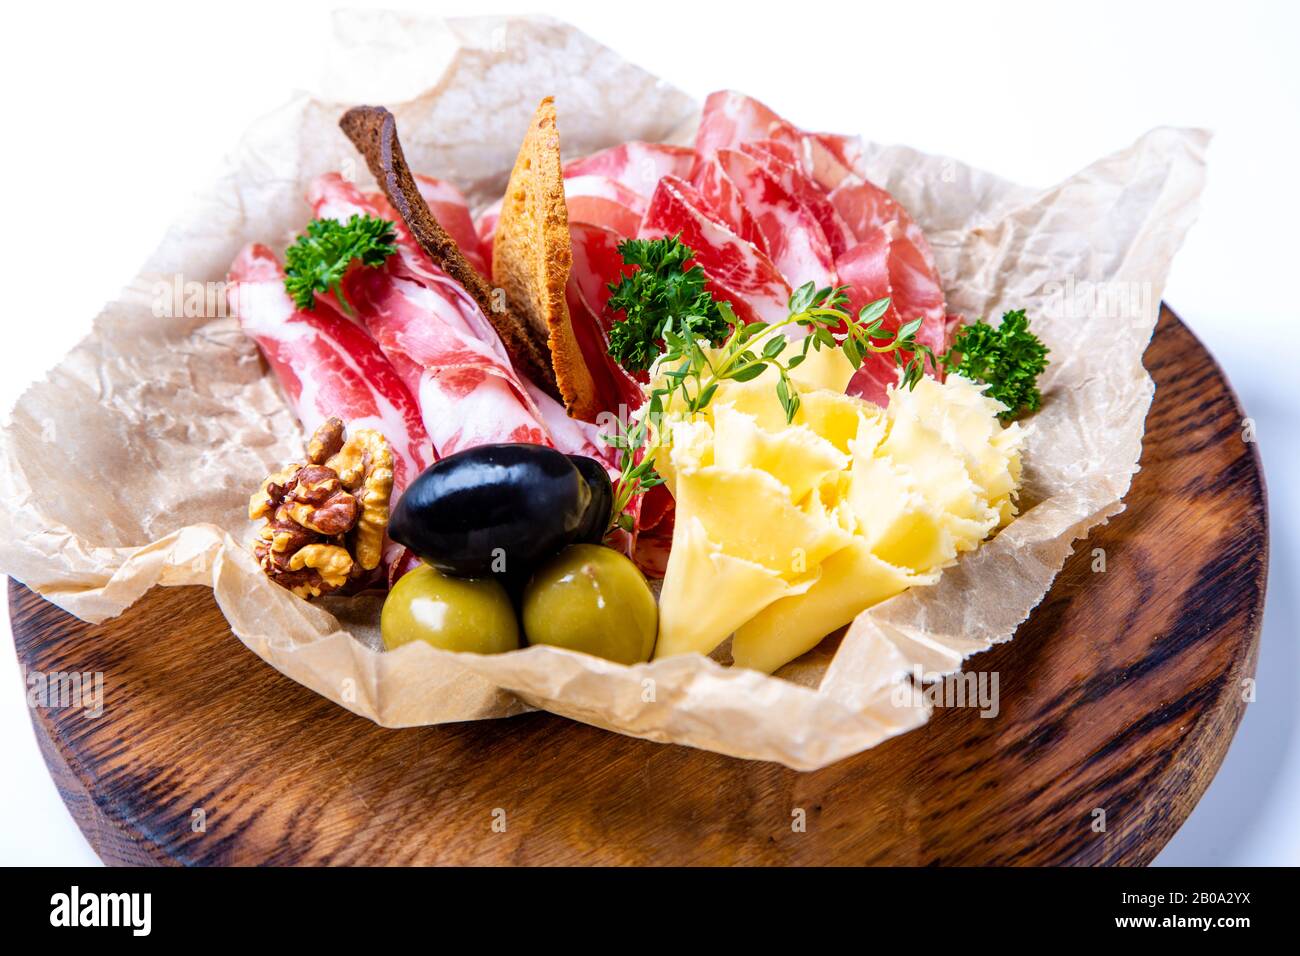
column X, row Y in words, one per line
column 661, row 290
column 318, row 259
column 691, row 375
column 1008, row 357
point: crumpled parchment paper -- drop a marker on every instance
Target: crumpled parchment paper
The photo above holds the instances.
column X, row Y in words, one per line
column 130, row 465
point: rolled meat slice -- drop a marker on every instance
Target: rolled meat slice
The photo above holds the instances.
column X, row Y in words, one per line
column 636, row 165
column 327, row 364
column 738, row 271
column 601, row 201
column 794, row 238
column 446, row 350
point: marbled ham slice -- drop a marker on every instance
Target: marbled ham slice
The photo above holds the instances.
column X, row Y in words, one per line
column 638, row 166
column 601, row 201
column 597, row 264
column 438, row 340
column 485, row 226
column 887, row 263
column 730, row 118
column 327, row 364
column 738, row 271
column 804, row 191
column 727, row 202
column 793, row 236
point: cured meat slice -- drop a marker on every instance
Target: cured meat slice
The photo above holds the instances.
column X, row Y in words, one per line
column 887, row 263
column 638, row 166
column 597, row 264
column 727, row 202
column 452, row 212
column 437, row 338
column 486, row 228
column 730, row 118
column 326, row 363
column 738, row 271
column 793, row 236
column 605, row 202
column 805, row 191
column 848, row 150
column 865, row 207
column 777, row 149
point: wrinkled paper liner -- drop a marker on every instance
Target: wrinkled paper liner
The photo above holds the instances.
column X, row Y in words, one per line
column 130, row 465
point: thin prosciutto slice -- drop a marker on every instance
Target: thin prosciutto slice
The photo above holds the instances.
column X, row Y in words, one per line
column 878, row 248
column 803, row 190
column 738, row 271
column 888, row 264
column 597, row 264
column 601, row 201
column 793, row 236
column 638, row 166
column 727, row 202
column 327, row 364
column 441, row 343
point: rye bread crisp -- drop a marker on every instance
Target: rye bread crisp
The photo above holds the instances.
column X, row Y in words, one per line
column 532, row 256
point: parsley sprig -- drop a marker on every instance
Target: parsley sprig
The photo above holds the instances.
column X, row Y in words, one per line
column 1008, row 357
column 318, row 259
column 661, row 289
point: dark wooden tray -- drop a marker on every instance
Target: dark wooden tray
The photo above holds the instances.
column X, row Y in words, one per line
column 1121, row 693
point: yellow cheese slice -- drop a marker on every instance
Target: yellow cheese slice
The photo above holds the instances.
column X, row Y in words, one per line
column 750, row 515
column 795, row 456
column 851, row 580
column 707, row 593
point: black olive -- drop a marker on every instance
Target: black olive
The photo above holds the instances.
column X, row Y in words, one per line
column 492, row 509
column 596, row 521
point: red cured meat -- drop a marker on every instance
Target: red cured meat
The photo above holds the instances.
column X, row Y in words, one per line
column 604, row 202
column 327, row 364
column 440, row 342
column 597, row 264
column 730, row 118
column 886, row 263
column 638, row 166
column 738, row 271
column 725, row 200
column 793, row 236
column 807, row 193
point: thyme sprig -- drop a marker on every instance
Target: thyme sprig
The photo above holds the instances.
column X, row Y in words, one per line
column 691, row 371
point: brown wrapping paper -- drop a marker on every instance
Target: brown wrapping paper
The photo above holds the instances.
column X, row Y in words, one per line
column 130, row 465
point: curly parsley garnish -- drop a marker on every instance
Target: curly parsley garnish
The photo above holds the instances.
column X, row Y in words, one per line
column 317, row 260
column 1008, row 357
column 661, row 290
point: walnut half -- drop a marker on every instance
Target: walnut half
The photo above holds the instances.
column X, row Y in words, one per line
column 326, row 518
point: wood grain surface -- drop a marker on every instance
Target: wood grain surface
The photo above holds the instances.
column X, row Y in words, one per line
column 1121, row 693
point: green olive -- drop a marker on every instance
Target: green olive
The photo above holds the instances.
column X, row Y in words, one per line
column 456, row 614
column 592, row 599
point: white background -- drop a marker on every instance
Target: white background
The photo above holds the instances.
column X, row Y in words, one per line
column 115, row 113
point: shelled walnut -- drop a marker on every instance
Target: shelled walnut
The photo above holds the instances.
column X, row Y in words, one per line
column 326, row 518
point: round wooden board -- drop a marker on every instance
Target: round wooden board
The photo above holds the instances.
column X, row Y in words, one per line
column 1121, row 693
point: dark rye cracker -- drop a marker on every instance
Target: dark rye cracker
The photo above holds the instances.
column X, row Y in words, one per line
column 373, row 131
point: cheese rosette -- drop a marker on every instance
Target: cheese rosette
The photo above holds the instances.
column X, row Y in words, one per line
column 786, row 531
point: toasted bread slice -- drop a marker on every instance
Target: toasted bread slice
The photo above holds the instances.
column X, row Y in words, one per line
column 531, row 257
column 373, row 132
